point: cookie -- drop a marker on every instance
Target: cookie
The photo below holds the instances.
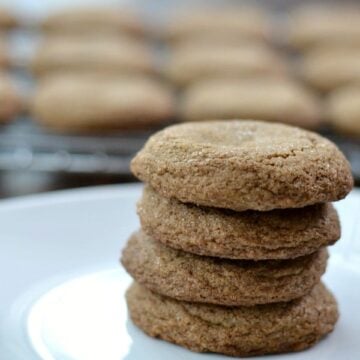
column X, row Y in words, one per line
column 76, row 55
column 92, row 20
column 188, row 277
column 191, row 62
column 311, row 26
column 236, row 331
column 10, row 104
column 327, row 68
column 242, row 22
column 251, row 235
column 243, row 165
column 266, row 99
column 344, row 110
column 7, row 20
column 85, row 103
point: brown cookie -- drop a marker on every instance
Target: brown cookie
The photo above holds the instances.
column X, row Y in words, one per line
column 281, row 101
column 241, row 22
column 344, row 110
column 92, row 55
column 243, row 165
column 251, row 235
column 326, row 68
column 236, row 331
column 190, row 63
column 92, row 20
column 189, row 277
column 86, row 103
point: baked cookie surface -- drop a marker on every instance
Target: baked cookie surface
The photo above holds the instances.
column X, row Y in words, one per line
column 243, row 165
column 99, row 103
column 193, row 278
column 266, row 99
column 252, row 235
column 236, row 331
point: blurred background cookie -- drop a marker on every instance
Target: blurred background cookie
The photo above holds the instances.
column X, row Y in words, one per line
column 314, row 25
column 326, row 68
column 10, row 101
column 8, row 20
column 279, row 100
column 97, row 55
column 237, row 22
column 190, row 63
column 344, row 110
column 85, row 103
column 92, row 19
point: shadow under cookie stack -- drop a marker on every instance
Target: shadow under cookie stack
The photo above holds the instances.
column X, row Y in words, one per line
column 236, row 217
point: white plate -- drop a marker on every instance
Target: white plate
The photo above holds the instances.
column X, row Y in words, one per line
column 63, row 291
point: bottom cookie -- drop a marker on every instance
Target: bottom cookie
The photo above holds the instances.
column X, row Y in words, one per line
column 236, row 331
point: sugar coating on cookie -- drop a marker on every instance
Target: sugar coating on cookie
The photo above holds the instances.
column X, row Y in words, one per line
column 326, row 68
column 188, row 277
column 243, row 165
column 266, row 99
column 190, row 63
column 93, row 20
column 236, row 331
column 92, row 55
column 344, row 110
column 252, row 235
column 95, row 102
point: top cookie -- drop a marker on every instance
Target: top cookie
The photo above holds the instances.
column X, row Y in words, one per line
column 243, row 165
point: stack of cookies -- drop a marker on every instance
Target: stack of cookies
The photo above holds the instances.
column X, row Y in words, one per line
column 236, row 217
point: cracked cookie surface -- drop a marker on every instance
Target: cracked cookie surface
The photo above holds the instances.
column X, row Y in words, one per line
column 252, row 235
column 243, row 165
column 236, row 331
column 189, row 277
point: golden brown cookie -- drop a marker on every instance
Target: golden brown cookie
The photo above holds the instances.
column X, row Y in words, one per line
column 10, row 102
column 327, row 68
column 311, row 26
column 240, row 22
column 85, row 103
column 92, row 20
column 189, row 277
column 344, row 110
column 266, row 99
column 243, row 165
column 90, row 55
column 236, row 331
column 192, row 62
column 251, row 235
